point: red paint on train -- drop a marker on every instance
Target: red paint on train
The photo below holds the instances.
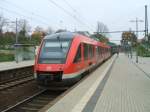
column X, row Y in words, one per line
column 64, row 57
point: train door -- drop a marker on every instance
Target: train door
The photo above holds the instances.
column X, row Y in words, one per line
column 78, row 60
column 97, row 53
column 101, row 54
column 85, row 55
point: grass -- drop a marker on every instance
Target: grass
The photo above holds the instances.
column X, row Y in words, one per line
column 6, row 57
column 142, row 51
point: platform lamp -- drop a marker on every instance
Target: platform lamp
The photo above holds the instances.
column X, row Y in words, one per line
column 16, row 38
column 130, row 48
column 136, row 21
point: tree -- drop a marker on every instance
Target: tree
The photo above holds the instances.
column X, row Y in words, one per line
column 101, row 34
column 36, row 38
column 49, row 31
column 23, row 28
column 101, row 28
column 23, row 31
column 37, row 35
column 100, row 37
column 149, row 38
column 8, row 39
column 2, row 24
column 129, row 37
column 39, row 29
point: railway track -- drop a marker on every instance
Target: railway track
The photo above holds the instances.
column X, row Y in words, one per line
column 27, row 97
column 7, row 76
column 35, row 102
column 40, row 99
column 10, row 84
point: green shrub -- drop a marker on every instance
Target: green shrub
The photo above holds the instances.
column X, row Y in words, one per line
column 142, row 51
column 6, row 57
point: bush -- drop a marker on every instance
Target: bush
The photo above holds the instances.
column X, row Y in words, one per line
column 142, row 51
column 6, row 57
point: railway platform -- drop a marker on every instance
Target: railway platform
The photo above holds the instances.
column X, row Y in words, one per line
column 143, row 63
column 13, row 65
column 116, row 86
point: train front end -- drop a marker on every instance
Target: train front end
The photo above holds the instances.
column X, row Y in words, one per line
column 51, row 59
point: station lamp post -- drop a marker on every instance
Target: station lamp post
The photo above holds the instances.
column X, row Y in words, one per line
column 130, row 48
column 136, row 21
column 14, row 22
column 16, row 39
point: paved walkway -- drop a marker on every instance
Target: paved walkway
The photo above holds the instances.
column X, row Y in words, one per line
column 143, row 63
column 127, row 89
column 77, row 98
column 12, row 65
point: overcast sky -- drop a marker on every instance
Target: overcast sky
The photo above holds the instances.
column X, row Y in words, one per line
column 77, row 14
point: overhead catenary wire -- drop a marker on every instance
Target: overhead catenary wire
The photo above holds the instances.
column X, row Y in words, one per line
column 70, row 6
column 120, row 31
column 74, row 10
column 32, row 13
column 68, row 13
column 19, row 14
column 27, row 11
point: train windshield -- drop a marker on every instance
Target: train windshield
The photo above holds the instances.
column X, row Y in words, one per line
column 54, row 51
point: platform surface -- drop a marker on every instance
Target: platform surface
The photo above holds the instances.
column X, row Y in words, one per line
column 13, row 65
column 143, row 63
column 68, row 102
column 124, row 89
column 127, row 89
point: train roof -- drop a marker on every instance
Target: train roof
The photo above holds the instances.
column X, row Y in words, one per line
column 62, row 35
column 70, row 36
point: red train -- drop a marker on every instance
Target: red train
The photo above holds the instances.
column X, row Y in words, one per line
column 64, row 57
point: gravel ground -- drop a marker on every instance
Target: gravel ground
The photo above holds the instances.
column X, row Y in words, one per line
column 12, row 96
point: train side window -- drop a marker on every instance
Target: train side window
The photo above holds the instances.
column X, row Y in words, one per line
column 78, row 55
column 97, row 50
column 91, row 51
column 85, row 51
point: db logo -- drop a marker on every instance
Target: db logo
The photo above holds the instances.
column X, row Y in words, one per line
column 48, row 68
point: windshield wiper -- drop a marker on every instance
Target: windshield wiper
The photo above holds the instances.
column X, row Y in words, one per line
column 58, row 38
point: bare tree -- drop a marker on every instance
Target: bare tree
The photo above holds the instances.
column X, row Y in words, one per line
column 49, row 31
column 101, row 28
column 2, row 24
column 38, row 29
column 23, row 27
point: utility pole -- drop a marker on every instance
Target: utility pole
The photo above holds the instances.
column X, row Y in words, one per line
column 16, row 39
column 136, row 21
column 146, row 25
column 130, row 30
column 16, row 31
column 16, row 51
